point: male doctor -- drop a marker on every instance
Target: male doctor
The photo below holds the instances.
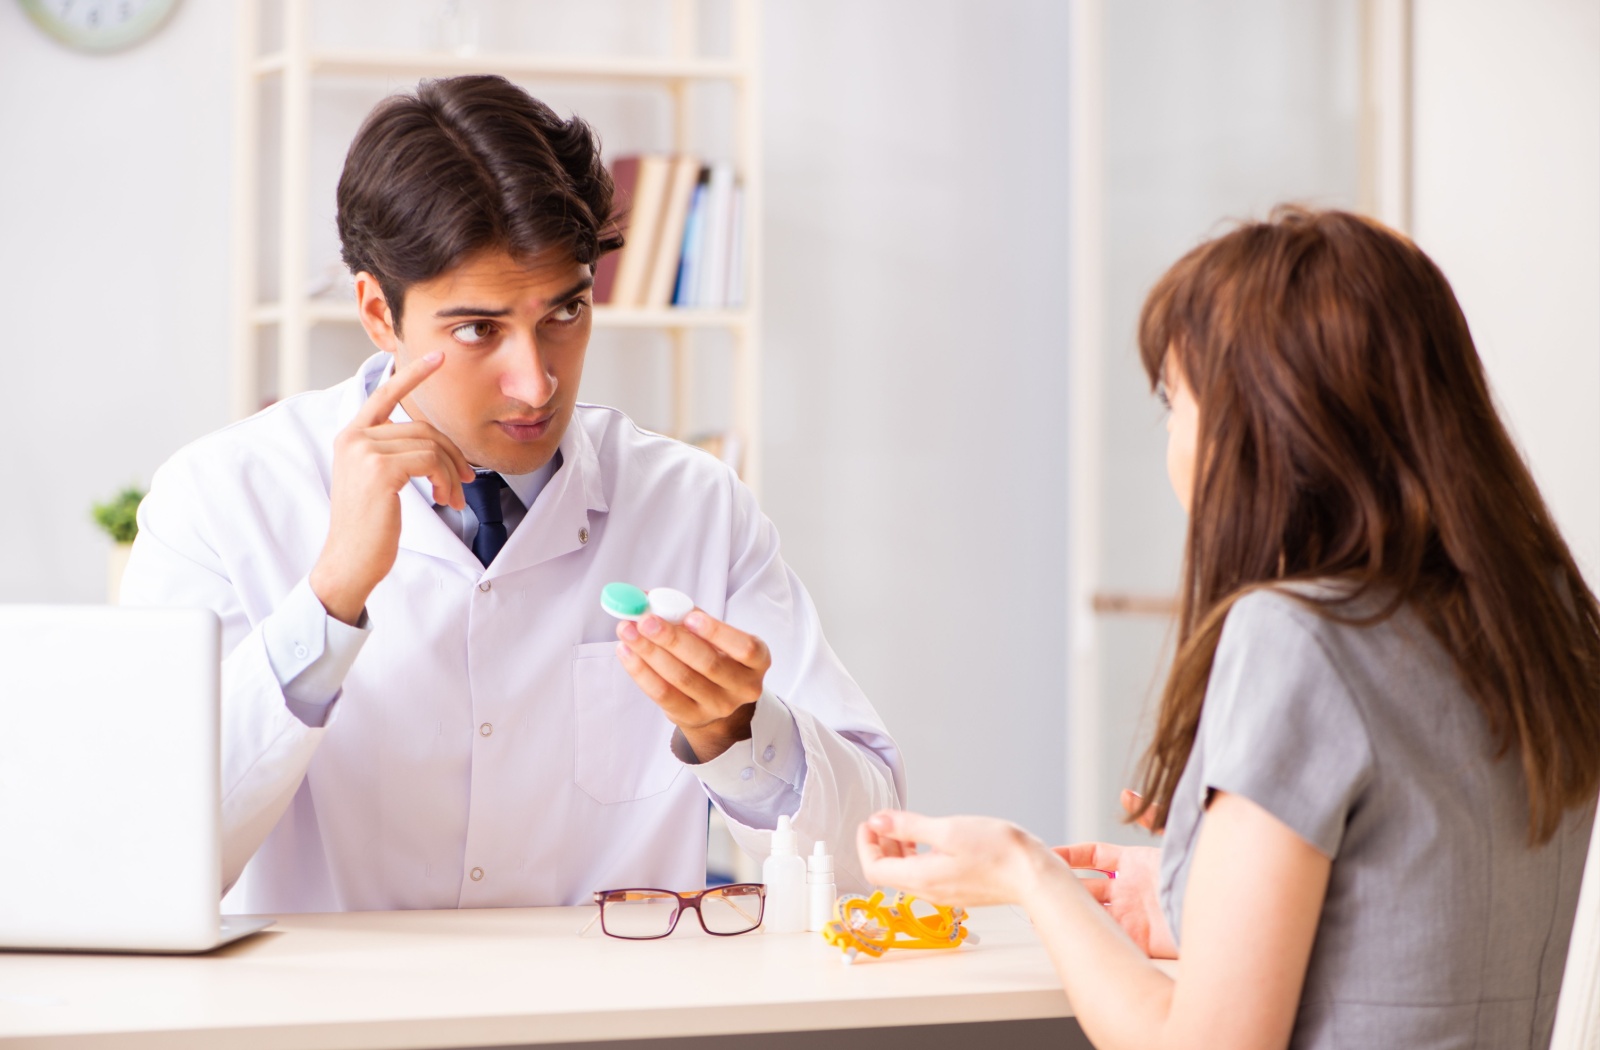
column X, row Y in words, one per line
column 423, row 704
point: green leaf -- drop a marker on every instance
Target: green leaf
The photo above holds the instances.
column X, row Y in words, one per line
column 117, row 516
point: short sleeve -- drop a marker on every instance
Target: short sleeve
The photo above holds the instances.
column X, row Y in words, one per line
column 1280, row 726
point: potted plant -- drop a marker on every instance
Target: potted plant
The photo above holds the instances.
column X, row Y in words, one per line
column 118, row 516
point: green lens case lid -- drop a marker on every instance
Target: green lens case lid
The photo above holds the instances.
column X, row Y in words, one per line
column 624, row 601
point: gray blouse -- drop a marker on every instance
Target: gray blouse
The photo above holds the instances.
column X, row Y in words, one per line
column 1441, row 928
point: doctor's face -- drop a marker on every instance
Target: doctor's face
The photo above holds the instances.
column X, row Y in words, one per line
column 513, row 333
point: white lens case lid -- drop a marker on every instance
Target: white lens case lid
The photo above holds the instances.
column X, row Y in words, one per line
column 672, row 606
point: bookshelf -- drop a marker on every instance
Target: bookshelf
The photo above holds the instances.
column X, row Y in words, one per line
column 297, row 64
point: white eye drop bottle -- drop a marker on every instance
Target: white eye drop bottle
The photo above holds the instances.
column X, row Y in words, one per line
column 821, row 889
column 785, row 875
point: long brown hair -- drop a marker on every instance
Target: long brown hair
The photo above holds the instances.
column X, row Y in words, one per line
column 1346, row 431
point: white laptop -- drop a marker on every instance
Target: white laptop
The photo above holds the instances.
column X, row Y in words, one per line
column 110, row 801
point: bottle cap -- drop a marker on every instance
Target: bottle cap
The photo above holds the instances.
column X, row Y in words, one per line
column 783, row 839
column 820, row 861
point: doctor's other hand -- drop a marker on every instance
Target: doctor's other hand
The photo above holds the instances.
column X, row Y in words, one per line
column 705, row 675
column 1132, row 898
column 373, row 459
column 969, row 860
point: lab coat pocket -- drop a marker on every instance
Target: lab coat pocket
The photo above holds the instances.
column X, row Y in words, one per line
column 622, row 742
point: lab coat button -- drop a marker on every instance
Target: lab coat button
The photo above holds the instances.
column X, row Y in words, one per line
column 768, row 753
column 583, row 535
column 477, row 874
column 485, row 729
column 300, row 652
column 746, row 773
column 484, row 586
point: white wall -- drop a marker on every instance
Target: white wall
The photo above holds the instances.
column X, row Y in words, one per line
column 113, row 279
column 916, row 369
column 1507, row 201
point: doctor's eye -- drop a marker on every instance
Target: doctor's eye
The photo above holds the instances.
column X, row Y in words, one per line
column 569, row 312
column 472, row 333
column 1163, row 397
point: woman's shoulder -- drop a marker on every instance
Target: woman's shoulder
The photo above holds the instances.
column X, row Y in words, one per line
column 1370, row 648
column 1319, row 610
column 1288, row 612
column 1366, row 645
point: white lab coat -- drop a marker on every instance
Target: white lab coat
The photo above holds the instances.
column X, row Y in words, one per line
column 488, row 750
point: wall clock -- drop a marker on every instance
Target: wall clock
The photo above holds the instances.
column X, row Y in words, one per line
column 99, row 25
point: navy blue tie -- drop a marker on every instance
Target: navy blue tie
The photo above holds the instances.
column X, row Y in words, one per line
column 483, row 496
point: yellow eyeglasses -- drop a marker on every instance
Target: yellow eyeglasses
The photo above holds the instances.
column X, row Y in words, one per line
column 872, row 925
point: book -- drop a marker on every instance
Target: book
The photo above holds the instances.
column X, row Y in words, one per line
column 644, row 227
column 736, row 251
column 693, row 236
column 711, row 288
column 624, row 176
column 669, row 245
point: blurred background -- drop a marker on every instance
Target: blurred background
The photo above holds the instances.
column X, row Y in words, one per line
column 955, row 210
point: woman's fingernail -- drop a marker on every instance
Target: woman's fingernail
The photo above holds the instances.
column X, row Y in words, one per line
column 650, row 625
column 628, row 630
column 695, row 621
column 435, row 357
column 623, row 652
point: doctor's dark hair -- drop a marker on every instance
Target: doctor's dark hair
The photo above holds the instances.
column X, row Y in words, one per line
column 467, row 164
column 1346, row 431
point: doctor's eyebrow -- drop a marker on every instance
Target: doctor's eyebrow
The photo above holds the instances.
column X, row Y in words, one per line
column 571, row 293
column 473, row 311
column 505, row 311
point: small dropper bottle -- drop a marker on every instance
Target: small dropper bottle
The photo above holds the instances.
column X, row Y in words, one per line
column 821, row 890
column 785, row 875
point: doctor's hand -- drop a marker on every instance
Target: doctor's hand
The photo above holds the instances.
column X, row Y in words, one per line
column 373, row 459
column 705, row 675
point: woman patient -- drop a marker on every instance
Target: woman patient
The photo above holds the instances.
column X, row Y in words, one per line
column 1377, row 754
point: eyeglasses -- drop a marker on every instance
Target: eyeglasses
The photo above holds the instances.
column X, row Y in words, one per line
column 893, row 919
column 648, row 914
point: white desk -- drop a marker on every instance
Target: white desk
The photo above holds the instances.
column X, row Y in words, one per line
column 476, row 978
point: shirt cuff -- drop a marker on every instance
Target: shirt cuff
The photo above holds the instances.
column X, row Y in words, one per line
column 311, row 652
column 757, row 780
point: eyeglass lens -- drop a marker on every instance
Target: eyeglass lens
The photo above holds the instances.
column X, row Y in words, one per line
column 731, row 909
column 638, row 914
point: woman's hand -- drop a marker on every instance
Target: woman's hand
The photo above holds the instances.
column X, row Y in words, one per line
column 970, row 860
column 1132, row 897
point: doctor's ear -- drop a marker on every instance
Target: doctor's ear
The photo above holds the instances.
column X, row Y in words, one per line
column 376, row 317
